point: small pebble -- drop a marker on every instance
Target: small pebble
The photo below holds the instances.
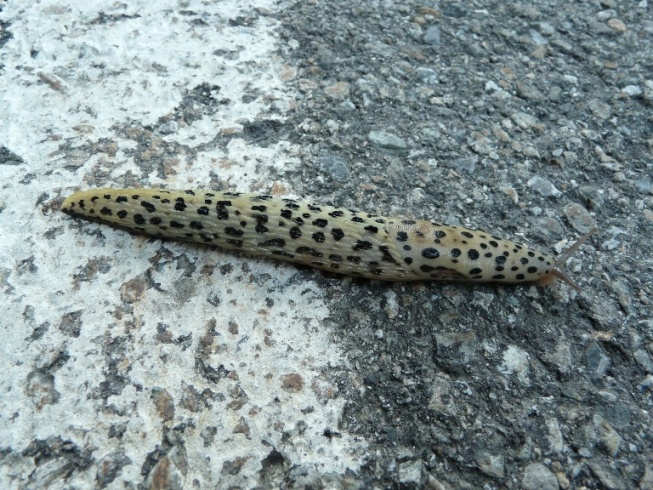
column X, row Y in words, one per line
column 617, row 25
column 644, row 360
column 169, row 127
column 467, row 165
column 632, row 90
column 539, row 477
column 543, row 186
column 643, row 185
column 597, row 362
column 427, row 75
column 432, row 36
column 524, row 120
column 599, row 109
column 538, row 39
column 336, row 167
column 384, row 139
column 579, row 218
column 454, row 10
column 339, row 90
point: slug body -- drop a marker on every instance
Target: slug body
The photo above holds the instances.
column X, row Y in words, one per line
column 338, row 240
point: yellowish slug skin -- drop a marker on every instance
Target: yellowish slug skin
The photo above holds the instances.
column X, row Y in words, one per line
column 339, row 240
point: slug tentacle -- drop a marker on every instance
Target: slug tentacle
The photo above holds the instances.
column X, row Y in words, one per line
column 339, row 240
column 558, row 271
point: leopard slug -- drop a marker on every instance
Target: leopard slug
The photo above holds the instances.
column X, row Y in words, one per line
column 339, row 240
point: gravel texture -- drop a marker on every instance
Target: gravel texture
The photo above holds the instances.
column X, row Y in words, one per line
column 135, row 363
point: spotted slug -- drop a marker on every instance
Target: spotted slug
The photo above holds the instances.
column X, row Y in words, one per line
column 339, row 240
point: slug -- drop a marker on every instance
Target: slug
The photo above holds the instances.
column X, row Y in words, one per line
column 339, row 240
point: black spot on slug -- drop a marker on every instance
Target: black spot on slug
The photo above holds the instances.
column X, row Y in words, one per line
column 148, row 206
column 106, row 211
column 337, row 234
column 336, row 214
column 320, row 222
column 532, row 270
column 319, row 237
column 229, row 230
column 402, row 236
column 196, row 225
column 155, row 220
column 387, row 257
column 121, row 199
column 121, row 214
column 176, row 224
column 467, row 234
column 362, row 245
column 180, row 204
column 138, row 219
column 475, row 271
column 295, row 233
column 473, row 254
column 455, row 252
column 430, row 253
column 371, row 229
column 223, row 214
column 203, row 210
